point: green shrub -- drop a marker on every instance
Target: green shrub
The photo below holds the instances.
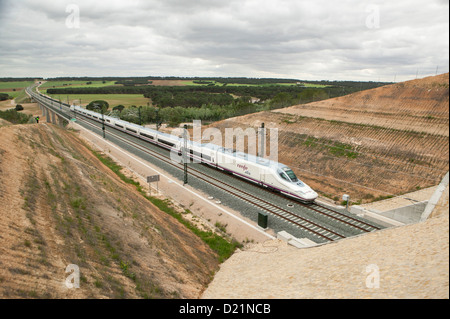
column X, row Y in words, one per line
column 4, row 96
column 15, row 117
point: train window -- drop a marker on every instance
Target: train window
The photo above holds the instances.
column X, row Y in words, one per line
column 195, row 153
column 165, row 142
column 146, row 135
column 283, row 176
column 291, row 174
column 119, row 125
column 131, row 130
column 206, row 157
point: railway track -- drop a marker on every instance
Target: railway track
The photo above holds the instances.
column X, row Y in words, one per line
column 314, row 228
column 343, row 218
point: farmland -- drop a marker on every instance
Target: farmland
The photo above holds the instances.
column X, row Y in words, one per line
column 18, row 85
column 126, row 100
column 207, row 99
column 15, row 89
column 75, row 84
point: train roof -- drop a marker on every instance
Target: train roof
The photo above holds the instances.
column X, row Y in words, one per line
column 251, row 158
column 256, row 159
column 131, row 124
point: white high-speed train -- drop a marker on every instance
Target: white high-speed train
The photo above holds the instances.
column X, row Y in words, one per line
column 264, row 172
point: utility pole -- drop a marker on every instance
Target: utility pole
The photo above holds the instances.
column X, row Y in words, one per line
column 103, row 117
column 103, row 122
column 157, row 119
column 262, row 141
column 139, row 110
column 185, row 181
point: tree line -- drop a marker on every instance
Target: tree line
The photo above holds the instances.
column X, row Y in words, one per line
column 209, row 110
column 177, row 114
column 162, row 92
column 196, row 96
column 19, row 79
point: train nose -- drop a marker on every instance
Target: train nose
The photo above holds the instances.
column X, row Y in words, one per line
column 308, row 195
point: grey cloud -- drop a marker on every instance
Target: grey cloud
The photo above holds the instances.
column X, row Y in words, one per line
column 286, row 38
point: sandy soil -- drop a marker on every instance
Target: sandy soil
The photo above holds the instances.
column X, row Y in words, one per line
column 168, row 82
column 61, row 206
column 28, row 108
column 406, row 262
column 418, row 105
column 386, row 141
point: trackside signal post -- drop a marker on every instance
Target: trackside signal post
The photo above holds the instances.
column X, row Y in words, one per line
column 346, row 198
column 103, row 123
column 185, row 180
column 262, row 140
column 96, row 105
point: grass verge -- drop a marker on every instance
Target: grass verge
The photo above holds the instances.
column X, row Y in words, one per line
column 15, row 117
column 217, row 243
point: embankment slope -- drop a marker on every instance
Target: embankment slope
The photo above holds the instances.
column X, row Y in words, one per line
column 61, row 206
column 381, row 142
column 405, row 262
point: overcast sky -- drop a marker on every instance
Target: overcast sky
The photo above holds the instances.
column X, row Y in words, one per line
column 311, row 40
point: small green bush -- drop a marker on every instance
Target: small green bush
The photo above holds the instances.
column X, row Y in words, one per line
column 15, row 117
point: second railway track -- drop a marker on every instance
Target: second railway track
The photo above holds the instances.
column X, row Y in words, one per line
column 316, row 229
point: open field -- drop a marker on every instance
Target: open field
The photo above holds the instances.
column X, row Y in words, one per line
column 113, row 99
column 218, row 83
column 75, row 84
column 16, row 89
column 18, row 85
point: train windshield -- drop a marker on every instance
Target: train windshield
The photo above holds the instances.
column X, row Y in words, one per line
column 290, row 174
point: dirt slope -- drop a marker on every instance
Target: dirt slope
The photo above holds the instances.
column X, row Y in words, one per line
column 381, row 142
column 405, row 262
column 61, row 206
column 417, row 105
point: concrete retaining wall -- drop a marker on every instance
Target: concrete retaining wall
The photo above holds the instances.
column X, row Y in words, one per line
column 435, row 198
column 406, row 214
